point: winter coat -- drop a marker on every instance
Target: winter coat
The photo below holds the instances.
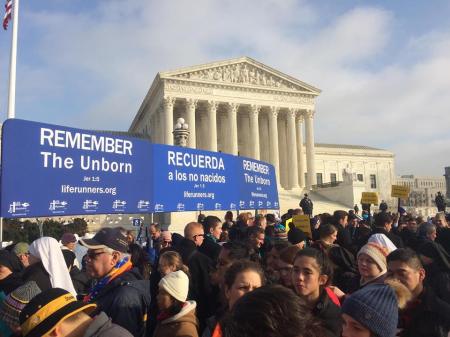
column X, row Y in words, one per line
column 200, row 267
column 210, row 248
column 36, row 272
column 430, row 317
column 183, row 324
column 443, row 237
column 126, row 299
column 102, row 326
column 307, row 205
column 329, row 314
column 344, row 238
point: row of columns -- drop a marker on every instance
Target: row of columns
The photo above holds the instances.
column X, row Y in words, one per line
column 295, row 165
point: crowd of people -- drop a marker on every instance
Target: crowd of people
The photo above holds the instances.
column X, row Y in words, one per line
column 352, row 275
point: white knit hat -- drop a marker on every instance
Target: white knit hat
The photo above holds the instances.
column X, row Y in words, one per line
column 377, row 253
column 176, row 284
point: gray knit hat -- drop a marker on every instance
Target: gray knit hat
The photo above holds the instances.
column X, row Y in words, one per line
column 375, row 307
column 15, row 301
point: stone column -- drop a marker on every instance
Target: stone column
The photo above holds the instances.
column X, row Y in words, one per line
column 212, row 126
column 300, row 151
column 273, row 134
column 168, row 119
column 191, row 104
column 292, row 149
column 310, row 153
column 160, row 125
column 232, row 125
column 254, row 130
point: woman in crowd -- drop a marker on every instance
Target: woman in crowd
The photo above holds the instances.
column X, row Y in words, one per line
column 327, row 237
column 372, row 264
column 311, row 274
column 47, row 266
column 271, row 311
column 171, row 261
column 177, row 316
column 141, row 260
column 286, row 264
column 373, row 310
column 240, row 278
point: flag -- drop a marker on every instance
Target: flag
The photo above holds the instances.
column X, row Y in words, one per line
column 7, row 17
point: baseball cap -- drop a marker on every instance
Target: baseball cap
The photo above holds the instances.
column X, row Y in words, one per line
column 107, row 238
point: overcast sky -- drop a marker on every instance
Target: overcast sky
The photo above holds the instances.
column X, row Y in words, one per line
column 383, row 67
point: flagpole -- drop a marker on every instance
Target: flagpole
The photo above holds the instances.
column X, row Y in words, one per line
column 12, row 69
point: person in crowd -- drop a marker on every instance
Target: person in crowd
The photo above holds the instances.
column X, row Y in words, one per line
column 171, row 261
column 427, row 232
column 440, row 202
column 47, row 266
column 154, row 241
column 345, row 269
column 13, row 305
column 238, row 232
column 372, row 265
column 373, row 310
column 166, row 242
column 212, row 226
column 443, row 231
column 383, row 206
column 271, row 261
column 177, row 316
column 306, row 205
column 356, row 209
column 383, row 225
column 81, row 280
column 260, row 221
column 256, row 240
column 271, row 220
column 228, row 219
column 311, row 274
column 327, row 238
column 344, row 238
column 230, row 252
column 201, row 217
column 119, row 284
column 383, row 241
column 56, row 313
column 21, row 249
column 200, row 267
column 140, row 259
column 426, row 314
column 271, row 311
column 297, row 237
column 409, row 234
column 10, row 272
column 286, row 264
column 436, row 262
column 69, row 242
column 130, row 237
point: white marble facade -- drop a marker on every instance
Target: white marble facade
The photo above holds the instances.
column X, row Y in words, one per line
column 241, row 107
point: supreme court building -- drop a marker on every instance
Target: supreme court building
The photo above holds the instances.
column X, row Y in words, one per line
column 241, row 107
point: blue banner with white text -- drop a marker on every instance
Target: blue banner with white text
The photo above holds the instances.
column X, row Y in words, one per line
column 50, row 170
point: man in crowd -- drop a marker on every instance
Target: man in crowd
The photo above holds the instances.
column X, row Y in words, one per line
column 425, row 314
column 21, row 251
column 307, row 205
column 200, row 268
column 383, row 225
column 440, row 202
column 340, row 221
column 213, row 229
column 120, row 290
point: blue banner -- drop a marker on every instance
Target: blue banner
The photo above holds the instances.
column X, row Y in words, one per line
column 50, row 170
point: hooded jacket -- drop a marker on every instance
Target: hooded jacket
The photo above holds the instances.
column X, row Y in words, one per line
column 329, row 314
column 183, row 324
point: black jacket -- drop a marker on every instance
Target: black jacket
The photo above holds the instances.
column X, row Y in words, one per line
column 200, row 267
column 329, row 314
column 396, row 240
column 443, row 237
column 344, row 238
column 126, row 299
column 430, row 317
column 11, row 282
column 410, row 239
column 210, row 249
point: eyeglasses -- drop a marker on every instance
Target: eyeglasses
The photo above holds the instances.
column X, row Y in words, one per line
column 93, row 255
column 201, row 235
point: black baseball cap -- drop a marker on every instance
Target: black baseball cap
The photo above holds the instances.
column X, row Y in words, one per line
column 47, row 309
column 107, row 238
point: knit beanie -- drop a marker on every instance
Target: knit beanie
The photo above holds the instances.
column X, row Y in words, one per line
column 176, row 284
column 279, row 234
column 296, row 235
column 375, row 307
column 377, row 253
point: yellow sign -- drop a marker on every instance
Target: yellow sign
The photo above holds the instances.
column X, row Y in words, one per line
column 369, row 198
column 399, row 191
column 302, row 222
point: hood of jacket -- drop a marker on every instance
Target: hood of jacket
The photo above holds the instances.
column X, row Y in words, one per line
column 187, row 314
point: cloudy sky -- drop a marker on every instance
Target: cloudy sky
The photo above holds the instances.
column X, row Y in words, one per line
column 383, row 66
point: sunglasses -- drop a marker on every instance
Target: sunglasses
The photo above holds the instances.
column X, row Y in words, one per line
column 93, row 255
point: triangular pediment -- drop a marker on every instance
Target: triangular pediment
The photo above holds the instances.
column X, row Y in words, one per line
column 242, row 71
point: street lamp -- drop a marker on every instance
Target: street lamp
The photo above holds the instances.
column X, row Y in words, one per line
column 181, row 132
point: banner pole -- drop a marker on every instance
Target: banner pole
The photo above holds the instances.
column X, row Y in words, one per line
column 13, row 60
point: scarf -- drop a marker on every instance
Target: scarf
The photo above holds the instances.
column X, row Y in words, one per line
column 121, row 267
